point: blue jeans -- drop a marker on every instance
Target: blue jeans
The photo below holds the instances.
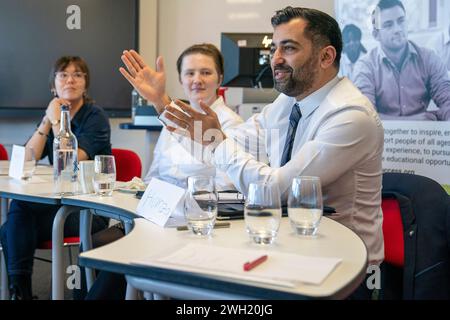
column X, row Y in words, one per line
column 28, row 225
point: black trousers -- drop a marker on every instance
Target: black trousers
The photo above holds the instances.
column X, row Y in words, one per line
column 28, row 225
column 107, row 285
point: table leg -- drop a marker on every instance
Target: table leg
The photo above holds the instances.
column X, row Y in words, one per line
column 131, row 293
column 57, row 251
column 4, row 276
column 86, row 242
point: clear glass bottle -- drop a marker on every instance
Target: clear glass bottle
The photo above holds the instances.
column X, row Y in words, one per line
column 137, row 101
column 65, row 157
column 134, row 103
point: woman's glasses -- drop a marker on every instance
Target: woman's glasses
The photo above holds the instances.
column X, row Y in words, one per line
column 64, row 76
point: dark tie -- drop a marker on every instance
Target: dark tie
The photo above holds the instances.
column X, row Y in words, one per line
column 294, row 118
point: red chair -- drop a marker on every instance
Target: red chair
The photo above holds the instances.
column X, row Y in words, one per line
column 3, row 153
column 394, row 252
column 128, row 164
column 222, row 93
column 416, row 230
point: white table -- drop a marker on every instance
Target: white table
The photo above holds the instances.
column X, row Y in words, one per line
column 40, row 189
column 146, row 238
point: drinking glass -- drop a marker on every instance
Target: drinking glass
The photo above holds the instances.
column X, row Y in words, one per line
column 104, row 175
column 262, row 212
column 305, row 205
column 29, row 165
column 200, row 205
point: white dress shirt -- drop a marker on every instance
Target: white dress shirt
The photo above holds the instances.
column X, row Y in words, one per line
column 172, row 163
column 339, row 138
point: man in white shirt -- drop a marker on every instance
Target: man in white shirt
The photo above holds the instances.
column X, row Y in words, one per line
column 320, row 125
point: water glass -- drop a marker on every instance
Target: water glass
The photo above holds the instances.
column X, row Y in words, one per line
column 104, row 175
column 305, row 205
column 263, row 212
column 200, row 205
column 30, row 164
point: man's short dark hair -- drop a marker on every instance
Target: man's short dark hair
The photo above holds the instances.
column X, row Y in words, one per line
column 386, row 4
column 322, row 29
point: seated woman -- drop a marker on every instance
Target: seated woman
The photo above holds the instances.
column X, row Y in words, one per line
column 200, row 72
column 28, row 224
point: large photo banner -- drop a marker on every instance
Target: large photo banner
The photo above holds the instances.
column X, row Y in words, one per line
column 398, row 54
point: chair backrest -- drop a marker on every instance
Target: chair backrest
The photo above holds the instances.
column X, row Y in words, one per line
column 3, row 153
column 394, row 244
column 222, row 93
column 424, row 207
column 128, row 164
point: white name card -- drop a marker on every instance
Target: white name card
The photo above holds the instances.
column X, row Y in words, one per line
column 17, row 162
column 161, row 201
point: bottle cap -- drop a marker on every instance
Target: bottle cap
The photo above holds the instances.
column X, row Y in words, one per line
column 64, row 108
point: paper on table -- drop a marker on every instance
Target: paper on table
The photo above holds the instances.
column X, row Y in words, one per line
column 161, row 201
column 17, row 163
column 283, row 269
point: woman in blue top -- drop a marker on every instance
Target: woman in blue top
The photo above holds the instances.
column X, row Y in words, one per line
column 28, row 224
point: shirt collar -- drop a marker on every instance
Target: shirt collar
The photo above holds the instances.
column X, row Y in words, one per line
column 312, row 102
column 412, row 52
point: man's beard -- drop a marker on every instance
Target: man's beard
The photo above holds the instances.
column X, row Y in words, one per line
column 300, row 80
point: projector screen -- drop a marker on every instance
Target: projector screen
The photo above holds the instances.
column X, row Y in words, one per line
column 33, row 34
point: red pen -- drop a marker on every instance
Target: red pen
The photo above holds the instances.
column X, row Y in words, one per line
column 253, row 264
